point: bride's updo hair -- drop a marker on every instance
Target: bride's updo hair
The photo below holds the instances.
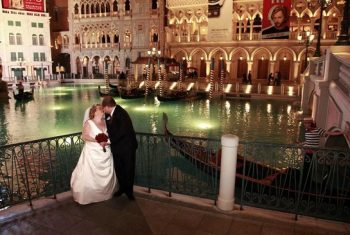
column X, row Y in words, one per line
column 93, row 110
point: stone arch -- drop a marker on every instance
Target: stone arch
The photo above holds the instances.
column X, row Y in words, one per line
column 198, row 59
column 176, row 54
column 237, row 50
column 215, row 50
column 195, row 51
column 284, row 61
column 239, row 66
column 261, row 58
column 280, row 50
column 261, row 50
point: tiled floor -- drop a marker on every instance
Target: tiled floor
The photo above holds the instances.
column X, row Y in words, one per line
column 151, row 214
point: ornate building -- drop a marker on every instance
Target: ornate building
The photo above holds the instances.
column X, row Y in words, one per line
column 187, row 38
column 109, row 35
column 115, row 33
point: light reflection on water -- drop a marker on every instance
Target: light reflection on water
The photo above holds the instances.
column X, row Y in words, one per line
column 60, row 110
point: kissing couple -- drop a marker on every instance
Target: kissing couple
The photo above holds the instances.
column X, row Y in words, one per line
column 106, row 166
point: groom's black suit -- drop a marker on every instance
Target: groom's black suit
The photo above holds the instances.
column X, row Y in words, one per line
column 123, row 145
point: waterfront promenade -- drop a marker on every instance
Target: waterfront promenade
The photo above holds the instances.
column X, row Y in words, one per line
column 155, row 213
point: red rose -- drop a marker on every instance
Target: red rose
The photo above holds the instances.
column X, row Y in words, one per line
column 102, row 137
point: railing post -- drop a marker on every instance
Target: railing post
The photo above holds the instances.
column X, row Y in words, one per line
column 229, row 144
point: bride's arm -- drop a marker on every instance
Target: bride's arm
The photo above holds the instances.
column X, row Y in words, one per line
column 86, row 133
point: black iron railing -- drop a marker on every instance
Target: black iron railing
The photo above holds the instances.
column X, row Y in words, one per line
column 279, row 177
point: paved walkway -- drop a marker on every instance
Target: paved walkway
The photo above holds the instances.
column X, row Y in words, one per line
column 155, row 214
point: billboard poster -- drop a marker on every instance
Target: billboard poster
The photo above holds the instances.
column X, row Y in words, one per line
column 26, row 5
column 275, row 24
column 220, row 20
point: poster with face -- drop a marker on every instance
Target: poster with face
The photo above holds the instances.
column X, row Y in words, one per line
column 27, row 5
column 275, row 24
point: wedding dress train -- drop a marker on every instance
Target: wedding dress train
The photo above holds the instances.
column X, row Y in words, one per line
column 94, row 178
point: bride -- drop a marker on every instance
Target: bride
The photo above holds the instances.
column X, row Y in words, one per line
column 94, row 178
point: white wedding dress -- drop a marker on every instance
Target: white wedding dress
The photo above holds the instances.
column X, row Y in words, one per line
column 94, row 178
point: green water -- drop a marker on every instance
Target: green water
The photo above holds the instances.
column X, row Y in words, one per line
column 60, row 110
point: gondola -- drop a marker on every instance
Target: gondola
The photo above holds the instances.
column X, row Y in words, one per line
column 256, row 176
column 113, row 86
column 134, row 93
column 179, row 95
column 25, row 96
column 111, row 92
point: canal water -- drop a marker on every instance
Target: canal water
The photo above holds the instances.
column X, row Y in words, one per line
column 59, row 110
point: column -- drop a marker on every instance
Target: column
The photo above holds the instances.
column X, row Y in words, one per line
column 251, row 29
column 250, row 66
column 229, row 145
column 272, row 66
column 239, row 30
column 296, row 70
column 207, row 67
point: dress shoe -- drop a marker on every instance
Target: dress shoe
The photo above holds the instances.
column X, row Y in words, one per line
column 131, row 197
column 118, row 193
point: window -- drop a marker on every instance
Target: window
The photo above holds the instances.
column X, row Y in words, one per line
column 10, row 23
column 40, row 25
column 36, row 56
column 18, row 23
column 20, row 56
column 34, row 40
column 12, row 39
column 33, row 24
column 19, row 39
column 13, row 56
column 42, row 56
column 41, row 40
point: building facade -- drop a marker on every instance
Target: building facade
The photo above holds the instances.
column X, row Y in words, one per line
column 110, row 35
column 25, row 42
column 188, row 37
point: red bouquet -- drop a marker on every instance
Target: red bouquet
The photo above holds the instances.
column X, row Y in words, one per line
column 102, row 137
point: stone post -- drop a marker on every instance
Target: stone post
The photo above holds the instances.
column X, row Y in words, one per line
column 229, row 144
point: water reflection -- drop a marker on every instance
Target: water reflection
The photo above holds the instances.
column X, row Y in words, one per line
column 51, row 115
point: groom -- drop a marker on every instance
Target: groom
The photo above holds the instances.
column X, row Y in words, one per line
column 123, row 145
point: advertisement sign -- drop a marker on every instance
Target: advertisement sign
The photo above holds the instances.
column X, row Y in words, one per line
column 220, row 20
column 26, row 5
column 275, row 24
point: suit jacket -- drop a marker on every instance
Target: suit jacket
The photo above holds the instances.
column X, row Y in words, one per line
column 121, row 133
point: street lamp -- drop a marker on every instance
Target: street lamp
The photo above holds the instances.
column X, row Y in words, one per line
column 152, row 53
column 323, row 5
column 308, row 41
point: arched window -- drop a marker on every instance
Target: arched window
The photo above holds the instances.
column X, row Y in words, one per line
column 103, row 39
column 19, row 39
column 115, row 6
column 92, row 9
column 12, row 39
column 108, row 39
column 41, row 40
column 97, row 8
column 116, row 38
column 103, row 10
column 127, row 5
column 87, row 9
column 108, row 7
column 34, row 40
column 77, row 39
column 82, row 9
column 154, row 4
column 76, row 9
